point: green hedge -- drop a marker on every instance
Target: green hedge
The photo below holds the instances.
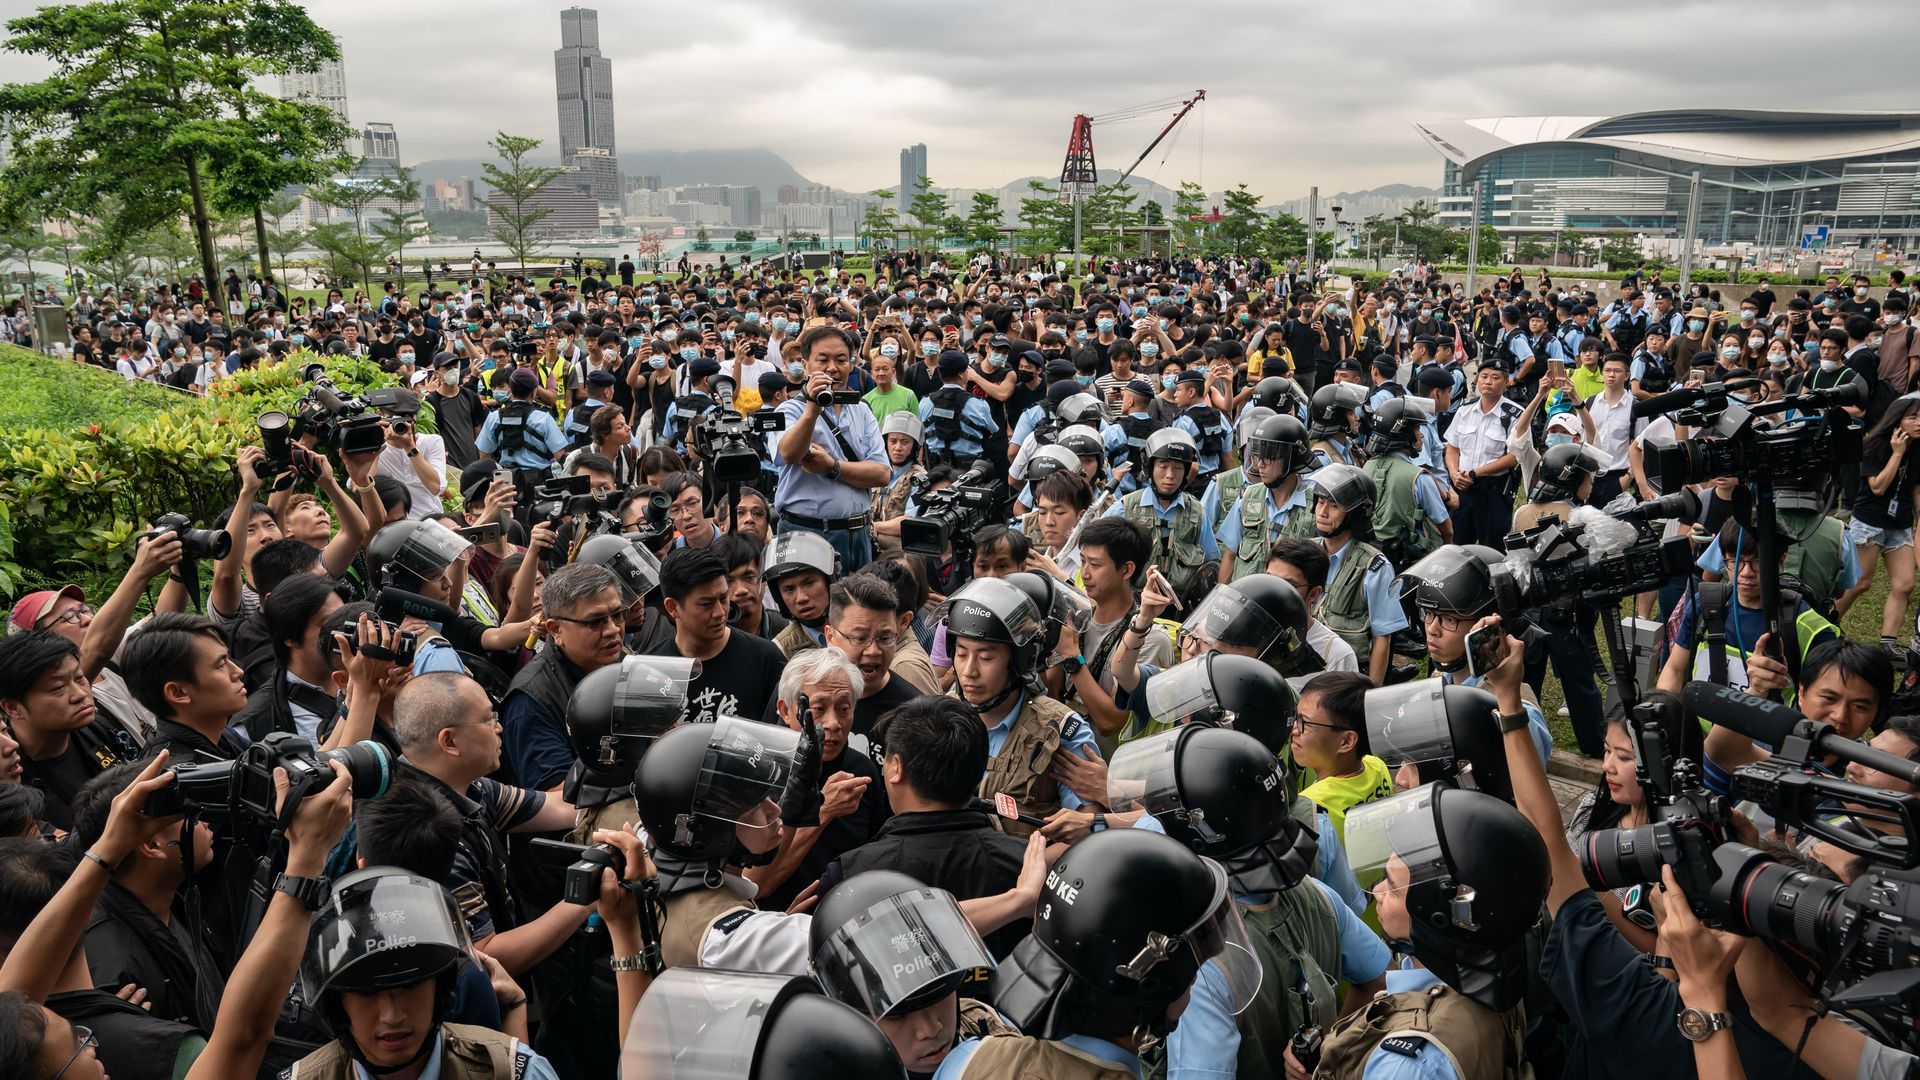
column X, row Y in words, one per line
column 87, row 460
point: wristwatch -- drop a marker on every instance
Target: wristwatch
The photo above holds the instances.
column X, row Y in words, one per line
column 1698, row 1025
column 1513, row 721
column 309, row 891
column 1072, row 665
column 1099, row 822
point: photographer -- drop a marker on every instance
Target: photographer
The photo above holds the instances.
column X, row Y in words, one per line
column 416, row 460
column 1843, row 683
column 185, row 676
column 823, row 487
column 46, row 962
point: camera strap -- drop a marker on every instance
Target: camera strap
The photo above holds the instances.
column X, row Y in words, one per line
column 846, row 448
column 1712, row 633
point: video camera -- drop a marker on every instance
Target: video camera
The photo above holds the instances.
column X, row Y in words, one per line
column 1593, row 556
column 349, row 424
column 242, row 789
column 1788, row 455
column 405, row 644
column 953, row 514
column 560, row 498
column 732, row 444
column 583, row 864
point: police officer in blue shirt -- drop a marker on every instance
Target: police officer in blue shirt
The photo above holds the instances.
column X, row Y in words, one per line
column 686, row 409
column 957, row 424
column 1126, row 436
column 830, row 457
column 521, row 435
column 1200, row 419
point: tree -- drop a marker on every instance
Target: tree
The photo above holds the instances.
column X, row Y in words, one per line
column 150, row 103
column 1188, row 203
column 283, row 241
column 1046, row 223
column 1105, row 212
column 744, row 236
column 1240, row 221
column 880, row 219
column 350, row 255
column 1619, row 250
column 353, row 193
column 930, row 212
column 982, row 224
column 1284, row 236
column 516, row 183
column 23, row 244
column 401, row 221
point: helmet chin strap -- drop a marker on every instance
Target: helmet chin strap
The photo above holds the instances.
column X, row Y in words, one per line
column 1458, row 663
column 999, row 699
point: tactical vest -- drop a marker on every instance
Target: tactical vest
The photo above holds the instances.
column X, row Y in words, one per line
column 689, row 916
column 1255, row 539
column 466, row 1053
column 1297, row 940
column 1134, row 450
column 577, row 419
column 1479, row 1043
column 793, row 639
column 1338, row 794
column 1711, row 615
column 512, row 427
column 1816, row 562
column 1343, row 606
column 1017, row 1057
column 1657, row 374
column 1629, row 332
column 1213, row 429
column 1392, row 390
column 687, row 409
column 1403, row 530
column 946, row 423
column 890, row 502
column 1024, row 766
column 1229, row 486
column 1176, row 542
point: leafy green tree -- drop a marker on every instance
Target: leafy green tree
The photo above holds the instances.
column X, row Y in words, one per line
column 982, row 224
column 350, row 255
column 1046, row 223
column 880, row 220
column 1189, row 202
column 23, row 244
column 1284, row 236
column 930, row 211
column 1619, row 250
column 283, row 241
column 1240, row 220
column 1108, row 209
column 150, row 104
column 744, row 236
column 516, row 183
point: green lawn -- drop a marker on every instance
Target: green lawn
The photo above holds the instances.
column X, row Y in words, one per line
column 62, row 395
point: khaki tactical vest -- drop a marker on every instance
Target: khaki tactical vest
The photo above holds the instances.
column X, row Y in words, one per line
column 1479, row 1043
column 1016, row 1057
column 793, row 639
column 1343, row 606
column 616, row 815
column 1817, row 562
column 1176, row 543
column 690, row 915
column 466, row 1053
column 890, row 502
column 1255, row 538
column 1397, row 517
column 1232, row 484
column 1024, row 766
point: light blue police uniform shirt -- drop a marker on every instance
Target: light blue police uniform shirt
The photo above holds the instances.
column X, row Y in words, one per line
column 1565, row 345
column 1023, row 426
column 1078, row 736
column 975, row 416
column 1384, row 614
column 1206, row 1045
column 1208, row 545
column 673, row 415
column 544, row 439
column 815, row 496
column 1209, row 463
column 1231, row 531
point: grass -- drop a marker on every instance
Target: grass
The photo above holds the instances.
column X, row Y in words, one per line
column 39, row 391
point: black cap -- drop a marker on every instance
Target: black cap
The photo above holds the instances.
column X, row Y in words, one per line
column 999, row 341
column 772, row 382
column 1349, row 364
column 1141, row 387
column 952, row 362
column 1433, row 378
column 596, row 377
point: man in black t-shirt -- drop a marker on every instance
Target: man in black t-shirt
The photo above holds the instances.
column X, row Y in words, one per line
column 48, row 705
column 739, row 672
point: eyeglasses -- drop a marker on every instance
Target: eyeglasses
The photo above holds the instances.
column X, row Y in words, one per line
column 885, row 641
column 71, row 615
column 1300, row 723
column 595, row 622
column 85, row 1035
column 1447, row 622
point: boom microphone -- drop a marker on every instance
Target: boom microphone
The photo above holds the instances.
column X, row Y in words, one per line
column 1775, row 724
column 1662, row 404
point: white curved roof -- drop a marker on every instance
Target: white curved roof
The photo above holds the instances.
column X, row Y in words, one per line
column 1740, row 137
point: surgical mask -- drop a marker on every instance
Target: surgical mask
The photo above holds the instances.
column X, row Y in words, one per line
column 1748, row 314
column 929, row 348
column 976, row 320
column 299, row 339
column 796, row 372
column 439, row 308
column 499, row 395
column 1083, row 380
column 726, row 335
column 1777, row 359
column 1167, row 381
column 907, row 294
column 1558, row 438
column 1731, row 352
column 1105, row 325
column 1426, row 312
column 753, row 317
column 669, row 334
column 1895, row 320
column 780, row 324
column 406, row 358
column 1829, row 365
column 1696, row 325
column 179, row 352
column 1163, row 324
column 1080, row 335
column 889, row 350
column 1336, row 310
column 996, row 361
column 1756, row 342
column 519, row 298
column 657, row 362
column 635, row 341
column 690, row 353
column 1149, row 350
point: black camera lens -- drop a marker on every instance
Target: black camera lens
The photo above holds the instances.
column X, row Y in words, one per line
column 368, row 765
column 1616, row 858
column 1763, row 898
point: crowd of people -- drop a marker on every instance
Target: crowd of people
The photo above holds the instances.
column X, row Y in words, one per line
column 974, row 672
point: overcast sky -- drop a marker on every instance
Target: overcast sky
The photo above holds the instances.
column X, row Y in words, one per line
column 1296, row 94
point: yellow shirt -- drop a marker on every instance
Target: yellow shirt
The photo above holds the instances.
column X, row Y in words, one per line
column 1338, row 794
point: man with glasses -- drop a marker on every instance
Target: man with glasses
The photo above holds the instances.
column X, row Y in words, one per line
column 688, row 511
column 585, row 624
column 863, row 621
column 737, row 672
column 1330, row 738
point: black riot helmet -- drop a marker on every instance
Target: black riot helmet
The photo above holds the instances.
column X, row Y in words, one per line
column 1244, row 426
column 630, row 561
column 1475, row 873
column 1058, row 604
column 617, row 710
column 888, row 945
column 1563, row 469
column 1277, row 392
column 996, row 610
column 1260, row 613
column 407, row 553
column 382, row 929
column 699, row 784
column 707, row 1024
column 1451, row 733
column 1349, row 487
column 1100, row 962
column 1397, row 424
column 1451, row 580
column 1224, row 690
column 1221, row 793
column 1281, row 440
column 1084, row 441
column 1331, row 412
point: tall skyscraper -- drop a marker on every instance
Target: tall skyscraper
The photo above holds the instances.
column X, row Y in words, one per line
column 913, row 166
column 380, row 145
column 583, row 80
column 326, row 85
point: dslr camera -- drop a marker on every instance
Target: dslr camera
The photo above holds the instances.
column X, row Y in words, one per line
column 242, row 790
column 195, row 544
column 348, row 424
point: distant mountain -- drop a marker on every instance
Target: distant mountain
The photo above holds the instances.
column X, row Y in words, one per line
column 755, row 167
column 1147, row 189
column 1386, row 200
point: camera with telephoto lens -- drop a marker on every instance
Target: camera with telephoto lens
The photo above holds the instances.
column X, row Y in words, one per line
column 1593, row 557
column 286, row 461
column 583, row 864
column 243, row 788
column 195, row 544
column 1794, row 455
column 953, row 514
column 561, row 498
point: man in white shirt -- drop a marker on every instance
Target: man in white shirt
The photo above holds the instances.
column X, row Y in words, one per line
column 1610, row 416
column 416, row 460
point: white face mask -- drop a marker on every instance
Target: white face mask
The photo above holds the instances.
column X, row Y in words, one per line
column 1829, row 365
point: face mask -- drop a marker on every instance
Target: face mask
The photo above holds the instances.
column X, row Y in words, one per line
column 996, row 361
column 179, row 352
column 1860, row 291
column 1829, row 365
column 1083, row 380
column 1731, row 352
column 676, row 301
column 780, row 324
column 299, row 339
column 976, row 320
column 1777, row 359
column 907, row 294
column 1558, row 438
column 1389, row 306
column 1336, row 311
column 690, row 353
column 1696, row 325
column 1149, row 350
column 450, row 376
column 929, row 348
column 499, row 395
column 1895, row 320
column 1167, row 381
column 1079, row 335
column 657, row 362
column 1163, row 324
column 406, row 358
column 1748, row 314
column 889, row 350
column 519, row 298
column 796, row 372
column 1105, row 325
column 1756, row 342
column 669, row 334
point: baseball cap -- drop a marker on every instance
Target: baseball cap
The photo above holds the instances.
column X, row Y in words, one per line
column 419, row 377
column 1566, row 421
column 999, row 341
column 475, row 478
column 35, row 605
column 523, row 379
column 772, row 382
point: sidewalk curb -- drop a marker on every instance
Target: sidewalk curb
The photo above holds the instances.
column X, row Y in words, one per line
column 1571, row 766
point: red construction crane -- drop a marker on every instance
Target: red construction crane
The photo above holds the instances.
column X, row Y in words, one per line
column 1079, row 178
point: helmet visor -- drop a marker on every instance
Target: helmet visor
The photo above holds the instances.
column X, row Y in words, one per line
column 1142, row 776
column 1072, row 606
column 651, row 695
column 700, row 1024
column 984, row 599
column 1227, row 618
column 792, row 551
column 637, row 569
column 1397, row 837
column 1408, row 722
column 382, row 931
column 745, row 772
column 430, row 548
column 1270, row 449
column 901, row 954
column 1225, row 951
column 1181, row 691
